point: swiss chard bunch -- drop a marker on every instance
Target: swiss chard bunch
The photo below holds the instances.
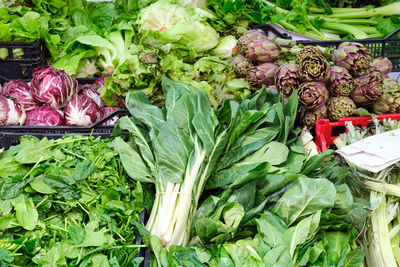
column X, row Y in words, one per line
column 68, row 202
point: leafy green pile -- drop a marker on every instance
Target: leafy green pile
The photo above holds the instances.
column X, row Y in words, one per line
column 236, row 184
column 68, row 202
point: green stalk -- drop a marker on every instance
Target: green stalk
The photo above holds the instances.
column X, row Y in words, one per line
column 386, row 11
column 380, row 247
column 357, row 33
column 359, row 21
column 335, row 10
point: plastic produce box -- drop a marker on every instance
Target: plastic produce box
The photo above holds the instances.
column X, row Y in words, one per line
column 21, row 59
column 9, row 135
column 326, row 131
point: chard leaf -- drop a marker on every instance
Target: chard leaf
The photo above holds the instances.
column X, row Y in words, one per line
column 141, row 109
column 305, row 197
column 126, row 123
column 132, row 162
column 237, row 175
column 274, row 153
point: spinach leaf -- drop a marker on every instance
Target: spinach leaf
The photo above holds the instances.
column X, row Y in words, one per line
column 26, row 213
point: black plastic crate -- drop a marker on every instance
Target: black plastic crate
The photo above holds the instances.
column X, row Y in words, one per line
column 14, row 67
column 9, row 135
column 383, row 47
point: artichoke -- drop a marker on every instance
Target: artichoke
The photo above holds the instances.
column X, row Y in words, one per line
column 241, row 65
column 392, row 84
column 339, row 107
column 340, row 82
column 309, row 117
column 354, row 57
column 368, row 88
column 383, row 64
column 307, row 51
column 313, row 67
column 262, row 74
column 287, row 78
column 312, row 95
column 388, row 103
column 263, row 50
column 249, row 37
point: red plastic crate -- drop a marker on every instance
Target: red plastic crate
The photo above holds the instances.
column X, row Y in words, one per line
column 326, row 132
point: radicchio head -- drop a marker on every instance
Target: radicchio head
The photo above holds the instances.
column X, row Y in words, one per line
column 104, row 112
column 53, row 87
column 20, row 90
column 81, row 110
column 91, row 91
column 45, row 116
column 11, row 111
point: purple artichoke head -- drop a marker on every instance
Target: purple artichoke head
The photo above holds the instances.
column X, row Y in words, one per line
column 307, row 51
column 263, row 50
column 339, row 107
column 249, row 37
column 368, row 88
column 313, row 67
column 388, row 103
column 354, row 57
column 262, row 74
column 287, row 78
column 312, row 95
column 309, row 117
column 340, row 82
column 241, row 65
column 383, row 64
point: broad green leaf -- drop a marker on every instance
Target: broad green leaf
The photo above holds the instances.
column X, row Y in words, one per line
column 237, row 175
column 132, row 162
column 245, row 121
column 271, row 229
column 126, row 123
column 99, row 260
column 39, row 185
column 83, row 169
column 302, row 232
column 25, row 212
column 76, row 233
column 8, row 221
column 270, row 183
column 305, row 197
column 234, row 155
column 244, row 253
column 354, row 258
column 337, row 247
column 13, row 186
column 274, row 153
column 34, row 152
column 93, row 239
column 141, row 109
column 344, row 198
column 245, row 196
column 180, row 256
